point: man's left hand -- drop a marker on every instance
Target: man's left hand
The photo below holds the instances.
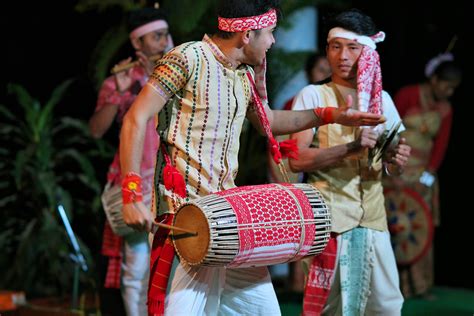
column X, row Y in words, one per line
column 401, row 153
column 350, row 117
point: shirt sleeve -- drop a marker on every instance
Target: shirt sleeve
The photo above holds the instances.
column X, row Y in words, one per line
column 109, row 96
column 171, row 73
column 407, row 98
column 441, row 142
column 307, row 99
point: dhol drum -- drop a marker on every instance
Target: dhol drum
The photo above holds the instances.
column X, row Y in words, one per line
column 112, row 203
column 253, row 226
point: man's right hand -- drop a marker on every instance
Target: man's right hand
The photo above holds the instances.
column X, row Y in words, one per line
column 123, row 79
column 137, row 216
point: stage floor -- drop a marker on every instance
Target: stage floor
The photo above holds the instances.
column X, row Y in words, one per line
column 445, row 301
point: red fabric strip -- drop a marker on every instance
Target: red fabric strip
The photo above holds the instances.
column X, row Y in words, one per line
column 319, row 279
column 161, row 260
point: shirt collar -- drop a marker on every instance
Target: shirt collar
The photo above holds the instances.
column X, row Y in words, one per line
column 219, row 54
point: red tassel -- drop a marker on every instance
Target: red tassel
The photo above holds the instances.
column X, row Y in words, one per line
column 289, row 149
column 174, row 181
column 275, row 150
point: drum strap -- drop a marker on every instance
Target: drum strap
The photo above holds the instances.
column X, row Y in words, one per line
column 284, row 149
column 161, row 261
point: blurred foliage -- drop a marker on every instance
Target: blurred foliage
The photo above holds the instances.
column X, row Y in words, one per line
column 44, row 161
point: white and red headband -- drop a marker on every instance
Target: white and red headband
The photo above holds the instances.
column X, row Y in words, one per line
column 369, row 41
column 369, row 74
column 256, row 22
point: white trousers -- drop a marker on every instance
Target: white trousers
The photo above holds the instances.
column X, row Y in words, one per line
column 221, row 291
column 135, row 273
column 385, row 297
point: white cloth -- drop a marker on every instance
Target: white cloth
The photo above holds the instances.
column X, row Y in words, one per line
column 221, row 291
column 369, row 41
column 135, row 273
column 385, row 297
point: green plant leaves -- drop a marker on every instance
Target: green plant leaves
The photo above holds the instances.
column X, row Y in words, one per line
column 45, row 161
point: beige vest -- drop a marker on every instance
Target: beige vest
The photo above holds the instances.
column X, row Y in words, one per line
column 353, row 192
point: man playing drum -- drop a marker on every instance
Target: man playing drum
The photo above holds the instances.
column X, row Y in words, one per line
column 202, row 93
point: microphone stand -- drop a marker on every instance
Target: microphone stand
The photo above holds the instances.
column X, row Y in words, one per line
column 77, row 256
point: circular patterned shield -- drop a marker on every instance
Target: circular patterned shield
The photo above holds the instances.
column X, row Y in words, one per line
column 410, row 224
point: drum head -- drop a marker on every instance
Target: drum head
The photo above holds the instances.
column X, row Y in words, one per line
column 191, row 248
column 410, row 225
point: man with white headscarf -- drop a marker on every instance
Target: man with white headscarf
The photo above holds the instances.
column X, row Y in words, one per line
column 357, row 273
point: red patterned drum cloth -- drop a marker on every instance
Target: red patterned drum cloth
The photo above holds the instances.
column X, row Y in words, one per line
column 253, row 226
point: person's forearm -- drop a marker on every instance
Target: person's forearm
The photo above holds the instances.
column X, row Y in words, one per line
column 311, row 159
column 288, row 122
column 132, row 137
column 101, row 120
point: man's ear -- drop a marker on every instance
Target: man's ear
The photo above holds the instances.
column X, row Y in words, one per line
column 136, row 43
column 246, row 37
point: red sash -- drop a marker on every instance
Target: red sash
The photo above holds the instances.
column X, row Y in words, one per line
column 319, row 279
column 161, row 261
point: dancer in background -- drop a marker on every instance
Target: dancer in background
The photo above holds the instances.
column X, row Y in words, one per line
column 427, row 115
column 128, row 265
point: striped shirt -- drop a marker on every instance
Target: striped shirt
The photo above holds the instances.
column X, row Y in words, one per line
column 202, row 120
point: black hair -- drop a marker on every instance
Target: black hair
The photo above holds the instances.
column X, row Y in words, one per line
column 448, row 71
column 312, row 60
column 244, row 8
column 354, row 20
column 143, row 16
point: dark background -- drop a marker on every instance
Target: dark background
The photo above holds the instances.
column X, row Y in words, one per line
column 46, row 43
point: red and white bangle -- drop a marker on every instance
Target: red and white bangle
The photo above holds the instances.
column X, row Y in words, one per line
column 132, row 188
column 326, row 114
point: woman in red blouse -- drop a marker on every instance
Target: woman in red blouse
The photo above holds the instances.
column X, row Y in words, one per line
column 427, row 116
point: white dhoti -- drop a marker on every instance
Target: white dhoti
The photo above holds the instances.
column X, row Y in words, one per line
column 221, row 291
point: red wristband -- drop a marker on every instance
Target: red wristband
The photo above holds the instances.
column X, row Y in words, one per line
column 132, row 188
column 326, row 114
